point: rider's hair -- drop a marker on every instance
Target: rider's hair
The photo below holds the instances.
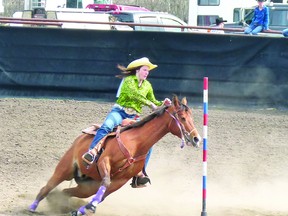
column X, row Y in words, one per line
column 125, row 72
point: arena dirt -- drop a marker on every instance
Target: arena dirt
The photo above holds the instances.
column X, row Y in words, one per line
column 247, row 162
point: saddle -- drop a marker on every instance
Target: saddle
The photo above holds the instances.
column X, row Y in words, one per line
column 92, row 130
column 94, row 127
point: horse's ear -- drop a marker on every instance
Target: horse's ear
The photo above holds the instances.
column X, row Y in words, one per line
column 184, row 101
column 176, row 101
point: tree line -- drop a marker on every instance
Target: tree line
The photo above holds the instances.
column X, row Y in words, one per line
column 178, row 8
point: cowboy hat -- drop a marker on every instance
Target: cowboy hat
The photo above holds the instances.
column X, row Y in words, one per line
column 220, row 20
column 141, row 62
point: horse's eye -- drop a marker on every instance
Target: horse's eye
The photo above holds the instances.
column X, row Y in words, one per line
column 183, row 119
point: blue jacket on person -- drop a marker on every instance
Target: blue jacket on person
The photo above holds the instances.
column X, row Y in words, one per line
column 261, row 18
column 285, row 32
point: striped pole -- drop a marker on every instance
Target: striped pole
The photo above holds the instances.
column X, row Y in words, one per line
column 205, row 132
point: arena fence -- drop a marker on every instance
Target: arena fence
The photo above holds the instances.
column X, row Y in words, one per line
column 81, row 64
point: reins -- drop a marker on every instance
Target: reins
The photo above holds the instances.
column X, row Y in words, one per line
column 131, row 160
column 183, row 134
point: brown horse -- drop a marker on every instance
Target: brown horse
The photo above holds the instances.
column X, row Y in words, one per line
column 123, row 157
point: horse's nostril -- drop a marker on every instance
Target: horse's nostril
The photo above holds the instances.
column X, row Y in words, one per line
column 195, row 139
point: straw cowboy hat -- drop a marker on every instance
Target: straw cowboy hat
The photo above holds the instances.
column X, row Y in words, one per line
column 141, row 62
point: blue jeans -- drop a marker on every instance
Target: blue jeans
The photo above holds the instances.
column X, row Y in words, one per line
column 113, row 119
column 253, row 30
column 285, row 32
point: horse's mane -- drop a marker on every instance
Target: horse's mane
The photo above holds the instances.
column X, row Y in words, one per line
column 156, row 113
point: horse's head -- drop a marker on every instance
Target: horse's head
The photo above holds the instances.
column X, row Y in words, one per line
column 183, row 125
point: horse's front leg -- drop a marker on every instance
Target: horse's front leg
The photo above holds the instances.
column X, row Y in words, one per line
column 104, row 168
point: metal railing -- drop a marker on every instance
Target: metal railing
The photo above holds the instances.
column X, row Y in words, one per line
column 59, row 23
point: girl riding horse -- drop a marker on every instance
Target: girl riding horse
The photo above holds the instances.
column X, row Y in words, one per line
column 135, row 91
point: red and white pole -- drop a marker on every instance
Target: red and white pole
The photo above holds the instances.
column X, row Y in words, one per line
column 205, row 132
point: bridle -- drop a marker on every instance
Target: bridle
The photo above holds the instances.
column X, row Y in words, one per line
column 184, row 134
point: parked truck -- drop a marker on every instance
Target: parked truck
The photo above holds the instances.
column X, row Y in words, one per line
column 71, row 18
column 278, row 17
column 204, row 13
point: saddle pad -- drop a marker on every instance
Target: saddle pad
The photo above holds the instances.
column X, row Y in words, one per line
column 92, row 129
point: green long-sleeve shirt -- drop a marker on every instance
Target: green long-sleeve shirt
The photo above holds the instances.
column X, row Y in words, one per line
column 132, row 96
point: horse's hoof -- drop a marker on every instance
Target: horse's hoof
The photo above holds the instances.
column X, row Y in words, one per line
column 74, row 213
column 79, row 212
column 33, row 206
column 90, row 209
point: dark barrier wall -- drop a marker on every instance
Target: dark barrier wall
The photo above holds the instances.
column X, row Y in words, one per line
column 82, row 64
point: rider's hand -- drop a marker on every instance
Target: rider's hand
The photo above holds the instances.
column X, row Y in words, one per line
column 167, row 102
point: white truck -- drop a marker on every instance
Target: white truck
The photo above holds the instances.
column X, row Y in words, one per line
column 204, row 13
column 71, row 18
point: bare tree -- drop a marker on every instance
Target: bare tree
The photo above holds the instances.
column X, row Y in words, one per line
column 11, row 6
column 178, row 8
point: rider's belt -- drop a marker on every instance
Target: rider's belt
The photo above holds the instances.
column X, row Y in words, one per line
column 129, row 111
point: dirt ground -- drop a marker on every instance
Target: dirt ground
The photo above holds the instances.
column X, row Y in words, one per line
column 247, row 162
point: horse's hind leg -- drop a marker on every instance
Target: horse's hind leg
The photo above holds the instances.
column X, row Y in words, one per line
column 83, row 189
column 61, row 173
column 51, row 184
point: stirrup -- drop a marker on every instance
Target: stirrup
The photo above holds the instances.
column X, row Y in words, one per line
column 88, row 159
column 140, row 181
